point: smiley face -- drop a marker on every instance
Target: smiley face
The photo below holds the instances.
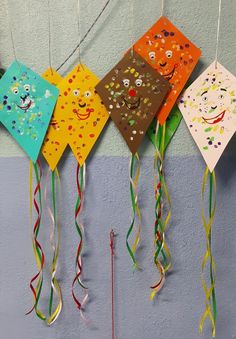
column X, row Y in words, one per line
column 209, row 109
column 213, row 112
column 79, row 116
column 23, row 98
column 84, row 101
column 132, row 91
column 213, row 101
column 173, row 55
column 26, row 106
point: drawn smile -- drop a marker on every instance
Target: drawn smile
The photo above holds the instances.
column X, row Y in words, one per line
column 215, row 119
column 169, row 76
column 82, row 105
column 132, row 105
column 86, row 115
column 26, row 107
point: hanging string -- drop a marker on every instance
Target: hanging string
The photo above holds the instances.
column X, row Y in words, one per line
column 132, row 27
column 218, row 34
column 79, row 30
column 162, row 7
column 112, row 247
column 11, row 31
column 85, row 36
column 210, row 297
column 49, row 38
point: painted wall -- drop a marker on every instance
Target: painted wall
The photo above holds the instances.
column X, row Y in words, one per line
column 176, row 312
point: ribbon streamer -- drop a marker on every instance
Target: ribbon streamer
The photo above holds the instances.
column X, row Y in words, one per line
column 134, row 173
column 55, row 228
column 38, row 252
column 160, row 189
column 80, row 181
column 210, row 297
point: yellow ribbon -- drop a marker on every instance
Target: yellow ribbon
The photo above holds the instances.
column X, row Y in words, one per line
column 138, row 212
column 35, row 251
column 210, row 302
column 160, row 178
column 54, row 282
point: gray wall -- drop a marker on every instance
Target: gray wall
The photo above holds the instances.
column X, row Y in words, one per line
column 176, row 312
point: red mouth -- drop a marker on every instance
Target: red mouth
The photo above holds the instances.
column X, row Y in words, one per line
column 216, row 119
column 24, row 108
column 81, row 116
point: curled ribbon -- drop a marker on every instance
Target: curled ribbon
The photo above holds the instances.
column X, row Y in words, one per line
column 55, row 245
column 80, row 181
column 160, row 189
column 38, row 252
column 134, row 173
column 210, row 297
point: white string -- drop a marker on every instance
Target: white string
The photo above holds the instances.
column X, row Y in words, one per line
column 162, row 7
column 49, row 38
column 132, row 26
column 11, row 32
column 218, row 34
column 79, row 29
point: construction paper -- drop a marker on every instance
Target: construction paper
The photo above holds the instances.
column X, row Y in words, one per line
column 172, row 123
column 26, row 106
column 79, row 114
column 132, row 92
column 173, row 55
column 55, row 142
column 209, row 110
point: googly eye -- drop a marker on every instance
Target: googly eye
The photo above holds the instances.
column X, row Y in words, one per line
column 126, row 82
column 152, row 55
column 15, row 90
column 27, row 88
column 221, row 96
column 204, row 98
column 76, row 92
column 169, row 54
column 87, row 94
column 138, row 82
